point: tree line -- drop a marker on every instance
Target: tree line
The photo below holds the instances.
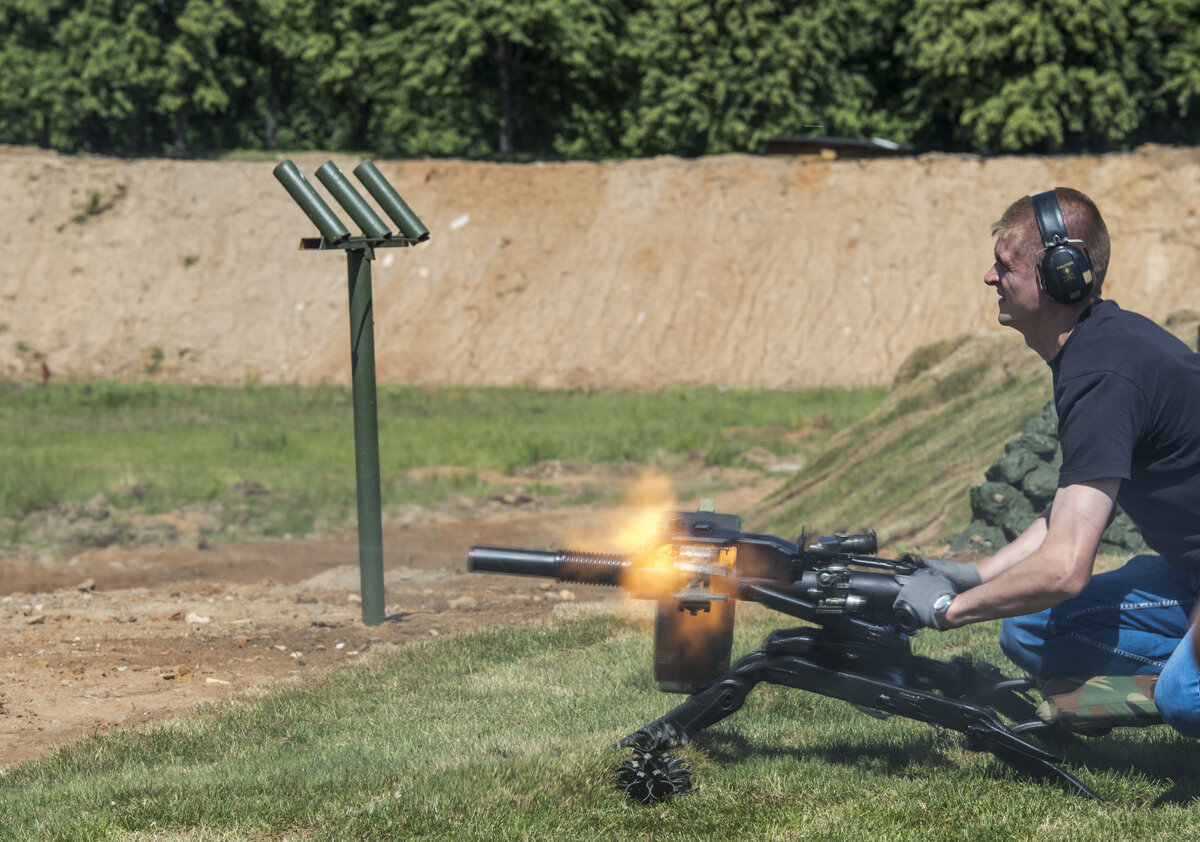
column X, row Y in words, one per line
column 567, row 79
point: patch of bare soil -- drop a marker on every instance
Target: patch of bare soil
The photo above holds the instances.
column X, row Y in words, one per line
column 735, row 270
column 119, row 637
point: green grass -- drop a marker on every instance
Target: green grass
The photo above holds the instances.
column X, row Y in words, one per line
column 504, row 735
column 154, row 447
column 905, row 469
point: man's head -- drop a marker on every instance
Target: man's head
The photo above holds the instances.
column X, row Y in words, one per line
column 1083, row 220
column 1024, row 305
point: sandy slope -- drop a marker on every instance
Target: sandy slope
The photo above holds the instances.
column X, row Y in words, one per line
column 733, row 270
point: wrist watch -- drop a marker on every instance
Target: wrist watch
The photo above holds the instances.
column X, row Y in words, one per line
column 940, row 605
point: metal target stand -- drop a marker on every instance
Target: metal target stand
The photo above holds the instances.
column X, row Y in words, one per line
column 360, row 251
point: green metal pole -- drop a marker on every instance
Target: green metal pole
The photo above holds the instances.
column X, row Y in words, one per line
column 360, row 251
column 366, row 436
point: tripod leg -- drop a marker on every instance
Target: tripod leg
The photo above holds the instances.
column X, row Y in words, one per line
column 652, row 775
column 1024, row 757
column 707, row 707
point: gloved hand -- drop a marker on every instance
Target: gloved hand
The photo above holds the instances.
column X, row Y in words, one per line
column 914, row 605
column 963, row 576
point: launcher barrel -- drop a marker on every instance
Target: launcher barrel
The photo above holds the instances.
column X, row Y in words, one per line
column 563, row 565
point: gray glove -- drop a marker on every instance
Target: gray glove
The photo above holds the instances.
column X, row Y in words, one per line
column 919, row 596
column 963, row 576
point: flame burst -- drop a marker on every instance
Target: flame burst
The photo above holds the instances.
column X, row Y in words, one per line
column 651, row 496
column 692, row 636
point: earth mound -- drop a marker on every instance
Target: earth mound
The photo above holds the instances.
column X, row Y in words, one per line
column 731, row 270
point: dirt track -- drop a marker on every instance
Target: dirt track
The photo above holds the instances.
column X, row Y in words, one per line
column 120, row 637
column 205, row 623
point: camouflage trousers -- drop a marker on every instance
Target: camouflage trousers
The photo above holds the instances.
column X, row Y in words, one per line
column 1132, row 621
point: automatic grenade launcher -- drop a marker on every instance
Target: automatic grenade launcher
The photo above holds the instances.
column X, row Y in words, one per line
column 856, row 648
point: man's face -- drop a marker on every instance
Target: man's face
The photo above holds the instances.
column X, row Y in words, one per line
column 1015, row 280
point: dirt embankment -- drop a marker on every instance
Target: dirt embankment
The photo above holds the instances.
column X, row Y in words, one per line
column 735, row 270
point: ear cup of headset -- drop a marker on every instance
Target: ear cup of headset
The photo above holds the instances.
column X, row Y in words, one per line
column 1066, row 268
column 1066, row 274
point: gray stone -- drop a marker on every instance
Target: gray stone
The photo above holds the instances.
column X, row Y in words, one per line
column 1001, row 505
column 92, row 533
column 1012, row 467
column 1015, row 445
column 98, row 508
column 1017, row 519
column 978, row 536
column 1045, row 424
column 1123, row 534
column 150, row 533
column 1040, row 484
column 1039, row 445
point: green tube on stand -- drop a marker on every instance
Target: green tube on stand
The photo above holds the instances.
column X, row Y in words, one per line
column 341, row 189
column 310, row 201
column 394, row 206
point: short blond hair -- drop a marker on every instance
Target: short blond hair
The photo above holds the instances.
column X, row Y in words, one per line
column 1083, row 220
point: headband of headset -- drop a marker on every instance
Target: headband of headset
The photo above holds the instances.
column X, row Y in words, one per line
column 1064, row 265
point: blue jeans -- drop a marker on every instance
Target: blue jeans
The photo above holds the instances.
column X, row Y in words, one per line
column 1131, row 621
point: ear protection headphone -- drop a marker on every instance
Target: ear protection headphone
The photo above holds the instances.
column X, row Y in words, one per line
column 1064, row 266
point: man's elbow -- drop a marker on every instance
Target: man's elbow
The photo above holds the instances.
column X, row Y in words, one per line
column 1066, row 578
column 1068, row 589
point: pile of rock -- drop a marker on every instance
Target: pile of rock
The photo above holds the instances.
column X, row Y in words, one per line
column 79, row 526
column 1020, row 484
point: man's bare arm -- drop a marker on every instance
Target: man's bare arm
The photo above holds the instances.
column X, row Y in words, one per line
column 1019, row 549
column 1057, row 569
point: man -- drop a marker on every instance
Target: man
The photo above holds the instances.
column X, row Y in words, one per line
column 1128, row 401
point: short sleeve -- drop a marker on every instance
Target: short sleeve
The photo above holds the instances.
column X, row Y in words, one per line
column 1100, row 418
